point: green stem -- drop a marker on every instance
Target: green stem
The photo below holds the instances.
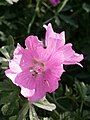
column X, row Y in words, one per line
column 23, row 111
column 61, row 6
column 34, row 16
column 81, row 107
column 30, row 24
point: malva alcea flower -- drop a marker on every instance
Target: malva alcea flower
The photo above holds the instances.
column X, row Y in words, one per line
column 37, row 70
column 54, row 2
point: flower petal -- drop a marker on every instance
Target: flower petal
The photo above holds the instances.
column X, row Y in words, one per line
column 55, row 2
column 22, row 57
column 50, row 81
column 40, row 90
column 57, row 39
column 27, row 92
column 32, row 42
column 11, row 75
column 14, row 66
column 26, row 79
column 70, row 57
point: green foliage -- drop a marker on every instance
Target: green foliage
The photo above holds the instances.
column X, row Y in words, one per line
column 20, row 18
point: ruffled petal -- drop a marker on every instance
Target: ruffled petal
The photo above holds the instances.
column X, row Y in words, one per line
column 70, row 57
column 22, row 58
column 18, row 52
column 54, row 38
column 32, row 42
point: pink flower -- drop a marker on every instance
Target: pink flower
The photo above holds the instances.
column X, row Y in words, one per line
column 37, row 70
column 55, row 2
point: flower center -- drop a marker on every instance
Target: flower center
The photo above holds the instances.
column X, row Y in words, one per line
column 37, row 68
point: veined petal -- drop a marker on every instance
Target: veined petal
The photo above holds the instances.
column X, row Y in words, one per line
column 26, row 79
column 50, row 81
column 32, row 42
column 70, row 57
column 57, row 39
column 57, row 58
column 57, row 71
column 40, row 90
column 22, row 57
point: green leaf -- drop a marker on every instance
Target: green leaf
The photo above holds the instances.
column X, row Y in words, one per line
column 57, row 21
column 11, row 97
column 69, row 20
column 82, row 89
column 44, row 104
column 10, row 40
column 46, row 118
column 86, row 115
column 32, row 113
column 3, row 59
column 87, row 98
column 3, row 2
column 86, row 7
column 23, row 111
column 4, row 65
column 13, row 118
column 7, row 85
column 11, row 1
column 7, row 109
column 4, row 51
column 4, row 109
column 2, row 35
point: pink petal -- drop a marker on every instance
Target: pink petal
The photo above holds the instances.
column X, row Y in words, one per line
column 14, row 67
column 26, row 79
column 55, row 2
column 27, row 60
column 11, row 75
column 27, row 92
column 44, row 54
column 57, row 58
column 40, row 90
column 32, row 42
column 22, row 57
column 50, row 81
column 70, row 56
column 57, row 71
column 57, row 39
column 18, row 52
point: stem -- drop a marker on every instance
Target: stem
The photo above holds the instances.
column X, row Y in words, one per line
column 81, row 107
column 61, row 6
column 34, row 16
column 30, row 24
column 23, row 111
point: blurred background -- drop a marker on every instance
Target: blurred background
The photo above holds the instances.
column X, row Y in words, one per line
column 27, row 17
